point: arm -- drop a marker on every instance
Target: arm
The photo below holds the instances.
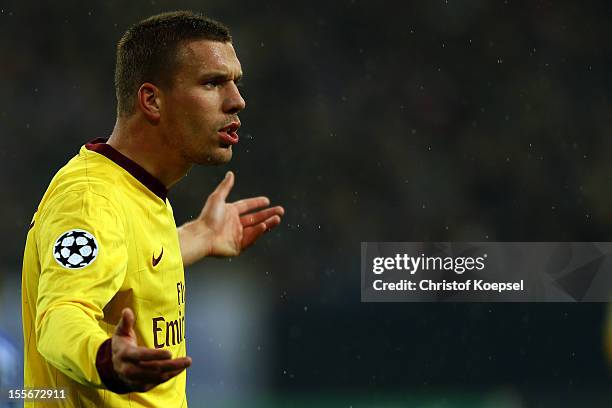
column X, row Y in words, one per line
column 226, row 229
column 70, row 303
column 70, row 300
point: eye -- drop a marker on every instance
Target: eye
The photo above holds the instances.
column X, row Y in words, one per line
column 212, row 84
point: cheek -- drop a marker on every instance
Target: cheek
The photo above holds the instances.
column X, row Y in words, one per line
column 199, row 109
column 189, row 103
column 192, row 116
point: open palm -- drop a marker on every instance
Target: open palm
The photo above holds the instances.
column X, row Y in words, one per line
column 225, row 229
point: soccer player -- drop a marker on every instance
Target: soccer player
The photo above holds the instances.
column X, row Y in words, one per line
column 103, row 288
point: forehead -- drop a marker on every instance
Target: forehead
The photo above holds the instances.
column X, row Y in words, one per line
column 201, row 56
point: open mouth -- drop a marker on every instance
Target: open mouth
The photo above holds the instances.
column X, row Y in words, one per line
column 228, row 134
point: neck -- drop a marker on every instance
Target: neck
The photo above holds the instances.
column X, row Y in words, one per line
column 145, row 145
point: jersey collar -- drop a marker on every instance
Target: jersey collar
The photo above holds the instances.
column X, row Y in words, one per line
column 100, row 146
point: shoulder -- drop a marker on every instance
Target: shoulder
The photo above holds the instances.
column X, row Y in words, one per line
column 86, row 182
column 79, row 201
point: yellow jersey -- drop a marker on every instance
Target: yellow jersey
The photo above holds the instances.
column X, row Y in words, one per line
column 103, row 238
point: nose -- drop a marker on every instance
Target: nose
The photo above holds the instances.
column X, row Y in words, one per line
column 234, row 102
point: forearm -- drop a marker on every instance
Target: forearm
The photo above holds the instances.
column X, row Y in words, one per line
column 190, row 240
column 69, row 337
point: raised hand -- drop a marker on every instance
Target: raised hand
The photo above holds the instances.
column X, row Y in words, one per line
column 141, row 368
column 225, row 229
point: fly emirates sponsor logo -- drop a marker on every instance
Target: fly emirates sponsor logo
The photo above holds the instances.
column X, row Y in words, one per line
column 171, row 332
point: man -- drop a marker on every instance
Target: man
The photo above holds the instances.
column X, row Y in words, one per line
column 103, row 284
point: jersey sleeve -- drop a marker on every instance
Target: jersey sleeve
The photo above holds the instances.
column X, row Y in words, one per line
column 83, row 258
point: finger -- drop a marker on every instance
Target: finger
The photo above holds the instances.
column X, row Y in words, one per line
column 224, row 188
column 126, row 323
column 141, row 376
column 170, row 374
column 251, row 234
column 257, row 217
column 138, row 354
column 144, row 377
column 249, row 204
column 167, row 365
column 272, row 222
column 146, row 381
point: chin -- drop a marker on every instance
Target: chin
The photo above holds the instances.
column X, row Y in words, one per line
column 221, row 155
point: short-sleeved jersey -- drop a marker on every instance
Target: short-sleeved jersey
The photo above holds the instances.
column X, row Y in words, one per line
column 103, row 238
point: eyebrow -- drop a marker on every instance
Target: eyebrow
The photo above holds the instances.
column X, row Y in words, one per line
column 219, row 76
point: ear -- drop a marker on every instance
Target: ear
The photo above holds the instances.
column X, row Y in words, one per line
column 148, row 100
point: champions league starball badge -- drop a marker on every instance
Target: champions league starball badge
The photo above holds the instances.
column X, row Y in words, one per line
column 75, row 249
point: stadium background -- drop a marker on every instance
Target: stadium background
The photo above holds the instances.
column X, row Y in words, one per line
column 369, row 121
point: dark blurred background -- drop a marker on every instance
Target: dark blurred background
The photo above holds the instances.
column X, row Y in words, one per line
column 369, row 121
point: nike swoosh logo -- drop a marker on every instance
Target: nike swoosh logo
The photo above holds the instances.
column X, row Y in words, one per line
column 156, row 260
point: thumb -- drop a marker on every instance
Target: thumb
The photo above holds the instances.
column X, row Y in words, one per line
column 224, row 188
column 126, row 324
